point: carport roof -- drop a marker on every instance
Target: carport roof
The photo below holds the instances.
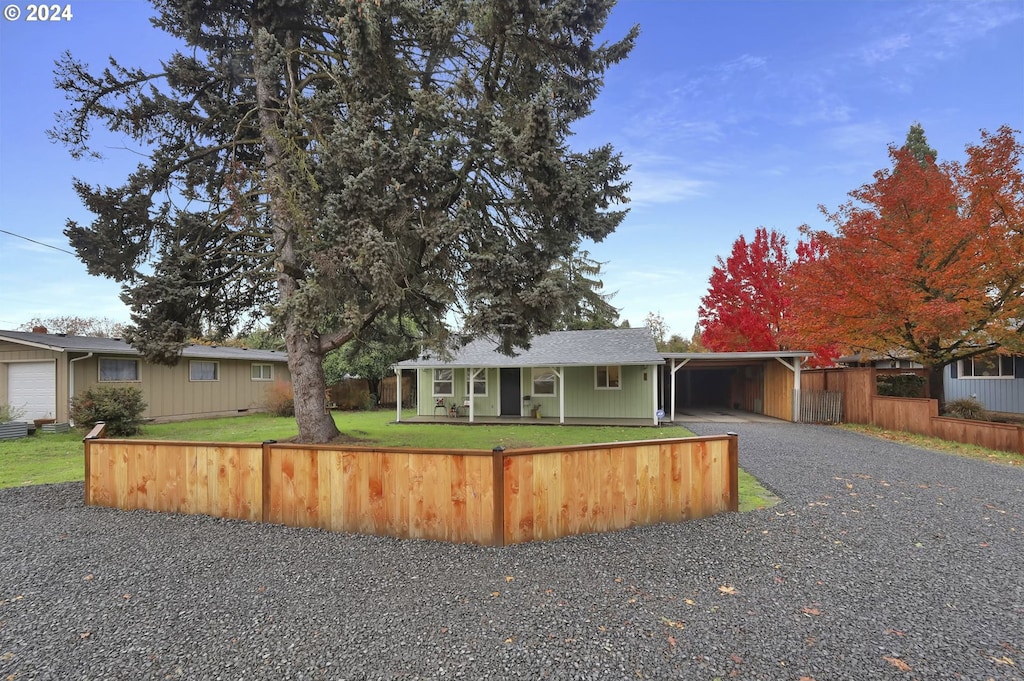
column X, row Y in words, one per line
column 734, row 357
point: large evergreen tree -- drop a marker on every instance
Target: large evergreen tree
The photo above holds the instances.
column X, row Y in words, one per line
column 329, row 162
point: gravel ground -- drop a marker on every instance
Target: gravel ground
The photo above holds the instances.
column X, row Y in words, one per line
column 882, row 562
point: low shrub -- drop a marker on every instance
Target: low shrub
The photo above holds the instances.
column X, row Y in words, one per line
column 281, row 399
column 120, row 407
column 966, row 408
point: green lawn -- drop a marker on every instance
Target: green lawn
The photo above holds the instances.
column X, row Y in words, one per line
column 47, row 458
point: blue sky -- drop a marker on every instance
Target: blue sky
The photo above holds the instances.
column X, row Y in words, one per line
column 733, row 115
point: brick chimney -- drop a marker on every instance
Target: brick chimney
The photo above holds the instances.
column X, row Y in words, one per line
column 39, row 329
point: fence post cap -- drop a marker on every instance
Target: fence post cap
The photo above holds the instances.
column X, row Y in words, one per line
column 499, row 449
column 732, row 434
column 270, row 442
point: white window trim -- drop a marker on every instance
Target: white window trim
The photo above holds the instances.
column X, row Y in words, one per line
column 434, row 381
column 261, row 364
column 99, row 370
column 607, row 387
column 204, row 380
column 482, row 376
column 554, row 381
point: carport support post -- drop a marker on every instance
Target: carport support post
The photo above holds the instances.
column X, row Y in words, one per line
column 673, row 376
column 734, row 471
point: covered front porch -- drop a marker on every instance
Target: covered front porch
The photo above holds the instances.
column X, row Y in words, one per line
column 530, row 421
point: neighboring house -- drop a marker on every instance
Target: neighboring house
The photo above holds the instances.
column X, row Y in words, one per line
column 996, row 380
column 600, row 374
column 865, row 359
column 39, row 372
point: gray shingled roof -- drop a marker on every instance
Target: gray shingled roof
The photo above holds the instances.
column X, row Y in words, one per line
column 116, row 346
column 559, row 348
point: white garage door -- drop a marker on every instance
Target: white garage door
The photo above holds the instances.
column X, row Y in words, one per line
column 32, row 389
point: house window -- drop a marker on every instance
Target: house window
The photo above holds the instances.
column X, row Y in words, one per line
column 444, row 382
column 606, row 378
column 203, row 371
column 989, row 365
column 262, row 372
column 479, row 383
column 116, row 370
column 543, row 381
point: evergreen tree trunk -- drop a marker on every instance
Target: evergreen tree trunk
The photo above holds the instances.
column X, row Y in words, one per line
column 305, row 357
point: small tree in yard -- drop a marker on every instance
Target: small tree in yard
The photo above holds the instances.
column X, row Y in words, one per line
column 330, row 163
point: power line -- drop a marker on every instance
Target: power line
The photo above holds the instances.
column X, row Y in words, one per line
column 56, row 248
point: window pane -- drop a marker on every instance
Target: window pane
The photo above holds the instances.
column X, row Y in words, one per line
column 262, row 372
column 443, row 381
column 1006, row 365
column 119, row 370
column 543, row 381
column 986, row 365
column 202, row 371
column 613, row 377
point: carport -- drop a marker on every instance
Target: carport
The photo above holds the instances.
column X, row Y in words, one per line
column 765, row 383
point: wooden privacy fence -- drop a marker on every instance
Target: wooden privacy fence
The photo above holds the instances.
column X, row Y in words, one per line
column 862, row 404
column 489, row 498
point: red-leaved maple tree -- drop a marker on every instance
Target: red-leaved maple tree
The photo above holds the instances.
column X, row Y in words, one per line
column 747, row 306
column 926, row 261
column 747, row 298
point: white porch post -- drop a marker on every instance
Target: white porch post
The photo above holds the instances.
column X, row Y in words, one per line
column 655, row 375
column 398, row 392
column 473, row 373
column 560, row 372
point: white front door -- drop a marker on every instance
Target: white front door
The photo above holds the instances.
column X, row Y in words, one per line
column 32, row 389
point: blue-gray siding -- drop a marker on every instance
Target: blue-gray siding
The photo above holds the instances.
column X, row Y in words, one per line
column 997, row 394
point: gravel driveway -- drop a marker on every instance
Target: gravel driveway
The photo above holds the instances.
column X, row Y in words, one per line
column 882, row 562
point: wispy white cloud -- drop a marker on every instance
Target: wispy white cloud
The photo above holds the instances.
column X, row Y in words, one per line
column 650, row 186
column 884, row 49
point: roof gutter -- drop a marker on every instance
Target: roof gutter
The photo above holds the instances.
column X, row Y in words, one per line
column 71, row 383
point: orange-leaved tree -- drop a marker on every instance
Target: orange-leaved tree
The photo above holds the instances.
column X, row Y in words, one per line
column 928, row 260
column 747, row 306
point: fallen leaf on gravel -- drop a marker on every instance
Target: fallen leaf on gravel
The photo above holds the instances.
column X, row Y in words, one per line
column 689, row 601
column 897, row 662
column 728, row 589
column 895, row 632
column 672, row 641
column 509, row 578
column 807, row 678
column 6, row 657
column 810, row 611
column 736, row 658
column 495, row 594
column 85, row 634
column 673, row 623
column 87, row 578
column 1003, row 660
column 510, row 639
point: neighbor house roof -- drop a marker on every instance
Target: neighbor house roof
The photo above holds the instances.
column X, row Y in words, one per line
column 559, row 348
column 116, row 346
